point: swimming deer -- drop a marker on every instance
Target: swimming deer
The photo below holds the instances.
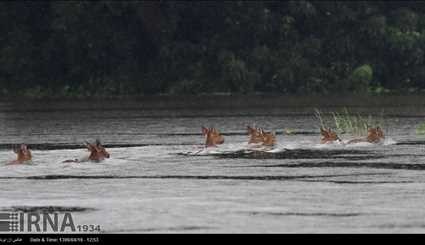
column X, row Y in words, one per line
column 212, row 137
column 23, row 154
column 97, row 153
column 269, row 138
column 374, row 135
column 328, row 136
column 255, row 135
column 258, row 135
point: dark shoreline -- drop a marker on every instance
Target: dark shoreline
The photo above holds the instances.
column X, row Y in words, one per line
column 199, row 101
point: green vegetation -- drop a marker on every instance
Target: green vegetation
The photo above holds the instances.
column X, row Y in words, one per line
column 122, row 48
column 420, row 130
column 288, row 131
column 319, row 117
column 361, row 78
column 346, row 122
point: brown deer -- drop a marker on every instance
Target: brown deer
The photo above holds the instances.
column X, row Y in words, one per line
column 255, row 135
column 258, row 135
column 212, row 137
column 374, row 135
column 328, row 136
column 23, row 154
column 269, row 138
column 97, row 153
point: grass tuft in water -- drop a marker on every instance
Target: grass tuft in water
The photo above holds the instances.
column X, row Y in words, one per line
column 319, row 117
column 346, row 122
column 420, row 130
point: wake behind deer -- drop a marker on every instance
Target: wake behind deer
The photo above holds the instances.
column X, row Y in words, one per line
column 98, row 153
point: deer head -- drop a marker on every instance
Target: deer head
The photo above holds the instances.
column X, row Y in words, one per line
column 328, row 136
column 212, row 137
column 255, row 135
column 269, row 138
column 97, row 151
column 375, row 135
column 23, row 154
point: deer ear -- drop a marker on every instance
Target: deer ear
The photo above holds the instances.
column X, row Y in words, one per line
column 23, row 147
column 261, row 131
column 204, row 130
column 98, row 142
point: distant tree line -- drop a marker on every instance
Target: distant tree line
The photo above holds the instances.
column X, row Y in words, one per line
column 101, row 48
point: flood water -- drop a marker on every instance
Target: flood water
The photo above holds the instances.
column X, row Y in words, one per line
column 154, row 183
